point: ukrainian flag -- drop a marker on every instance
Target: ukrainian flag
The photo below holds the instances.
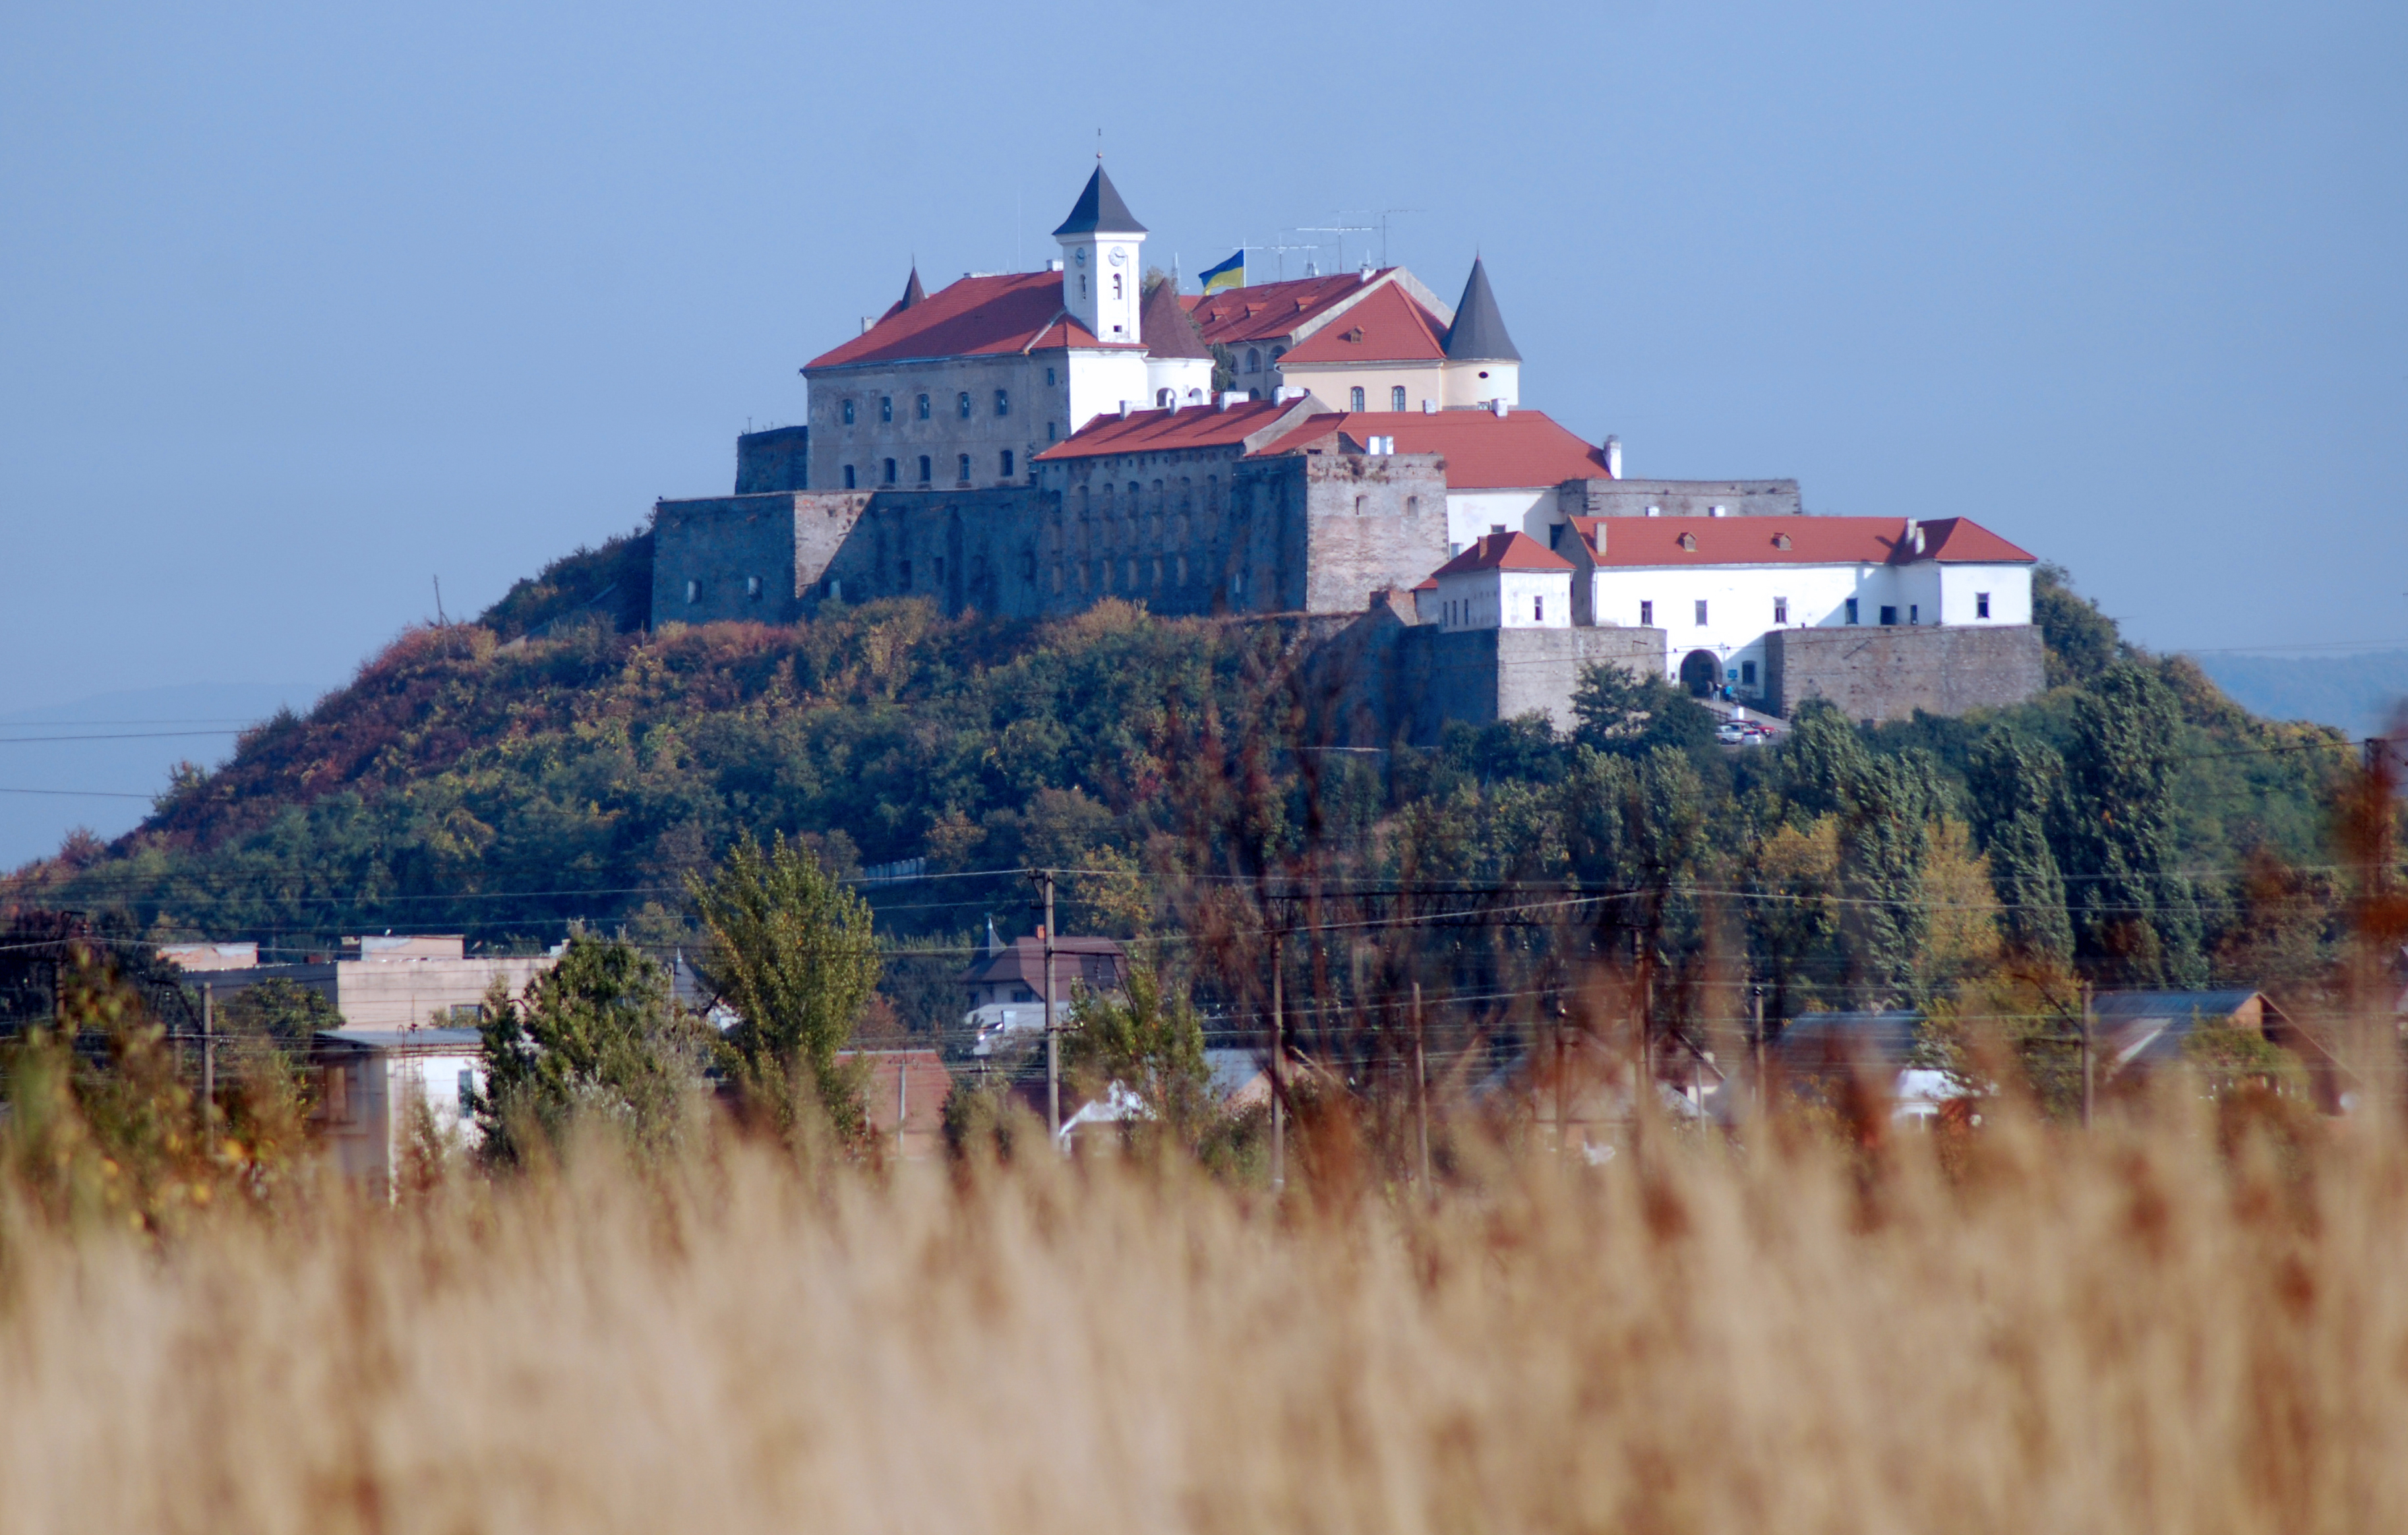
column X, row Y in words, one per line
column 1229, row 274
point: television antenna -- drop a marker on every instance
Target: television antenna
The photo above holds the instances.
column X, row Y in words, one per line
column 1342, row 231
column 1384, row 213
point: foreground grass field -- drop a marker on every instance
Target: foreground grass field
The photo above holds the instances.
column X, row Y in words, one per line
column 2170, row 1324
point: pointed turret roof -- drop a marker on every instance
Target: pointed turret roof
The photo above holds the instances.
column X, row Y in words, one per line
column 1099, row 210
column 1165, row 328
column 1478, row 334
column 912, row 294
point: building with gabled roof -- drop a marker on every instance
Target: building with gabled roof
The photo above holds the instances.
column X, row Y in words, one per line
column 1504, row 581
column 960, row 388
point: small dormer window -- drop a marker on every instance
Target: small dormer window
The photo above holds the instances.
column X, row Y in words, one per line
column 1688, row 540
column 1781, row 540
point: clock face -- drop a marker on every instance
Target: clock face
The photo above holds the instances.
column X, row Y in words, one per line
column 1120, row 257
column 1083, row 255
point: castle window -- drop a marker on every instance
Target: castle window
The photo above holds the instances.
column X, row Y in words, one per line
column 1397, row 397
column 1253, row 360
column 885, row 408
column 1702, row 610
column 1747, row 674
column 962, row 404
column 1355, row 398
column 1116, row 289
column 1003, row 402
column 923, row 408
column 1914, row 612
column 1362, row 504
column 1538, row 609
column 848, row 412
column 965, row 474
column 1852, row 610
column 927, row 469
column 1889, row 615
column 1646, row 615
column 752, row 588
column 1049, row 430
column 1049, row 378
column 1981, row 604
column 1413, row 506
column 890, row 471
column 1278, row 352
column 847, row 477
column 1007, row 463
column 694, row 591
column 1781, row 609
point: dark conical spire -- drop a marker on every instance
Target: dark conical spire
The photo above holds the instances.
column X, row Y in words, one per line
column 1478, row 334
column 912, row 291
column 1099, row 210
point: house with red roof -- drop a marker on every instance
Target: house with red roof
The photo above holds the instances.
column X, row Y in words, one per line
column 959, row 389
column 1377, row 340
column 1504, row 581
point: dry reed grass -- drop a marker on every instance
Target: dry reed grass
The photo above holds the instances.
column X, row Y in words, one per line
column 2155, row 1328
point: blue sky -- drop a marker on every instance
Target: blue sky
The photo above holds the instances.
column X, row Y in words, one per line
column 305, row 307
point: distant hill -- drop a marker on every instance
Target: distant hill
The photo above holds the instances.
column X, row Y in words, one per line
column 2355, row 694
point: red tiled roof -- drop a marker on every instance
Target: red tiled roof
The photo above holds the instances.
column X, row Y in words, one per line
column 1159, row 431
column 1482, row 451
column 1273, row 309
column 1020, row 311
column 1503, row 552
column 1634, row 541
column 1387, row 326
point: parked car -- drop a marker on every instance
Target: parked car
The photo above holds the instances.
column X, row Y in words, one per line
column 1731, row 735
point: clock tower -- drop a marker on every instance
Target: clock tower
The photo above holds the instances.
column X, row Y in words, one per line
column 1101, row 245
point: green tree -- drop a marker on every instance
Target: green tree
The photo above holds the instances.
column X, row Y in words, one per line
column 1150, row 1042
column 1883, row 805
column 790, row 948
column 1620, row 711
column 596, row 1039
column 2078, row 640
column 2018, row 784
column 2136, row 916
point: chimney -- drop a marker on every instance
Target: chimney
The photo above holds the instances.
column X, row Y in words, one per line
column 1124, row 410
column 864, row 325
column 1500, row 406
column 1232, row 396
column 1174, row 402
column 1718, row 512
column 1613, row 458
column 1429, row 408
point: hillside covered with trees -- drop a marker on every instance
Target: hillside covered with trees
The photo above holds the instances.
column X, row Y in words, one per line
column 551, row 766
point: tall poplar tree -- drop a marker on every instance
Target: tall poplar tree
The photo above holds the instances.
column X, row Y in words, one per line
column 2018, row 784
column 2136, row 917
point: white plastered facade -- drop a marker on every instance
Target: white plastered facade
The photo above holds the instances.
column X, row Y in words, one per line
column 1501, row 599
column 1741, row 603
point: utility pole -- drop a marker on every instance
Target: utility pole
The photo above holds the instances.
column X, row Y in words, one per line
column 209, row 1059
column 1279, row 1049
column 1421, row 1090
column 1563, row 1098
column 1756, row 1044
column 1052, row 1035
column 2087, row 1055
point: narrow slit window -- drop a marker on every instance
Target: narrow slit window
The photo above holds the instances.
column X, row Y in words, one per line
column 1781, row 609
column 927, row 469
column 1852, row 610
column 1702, row 610
column 849, row 478
column 1646, row 615
column 1007, row 463
column 1981, row 604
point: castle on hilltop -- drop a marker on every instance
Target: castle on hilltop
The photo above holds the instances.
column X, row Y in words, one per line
column 1028, row 444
